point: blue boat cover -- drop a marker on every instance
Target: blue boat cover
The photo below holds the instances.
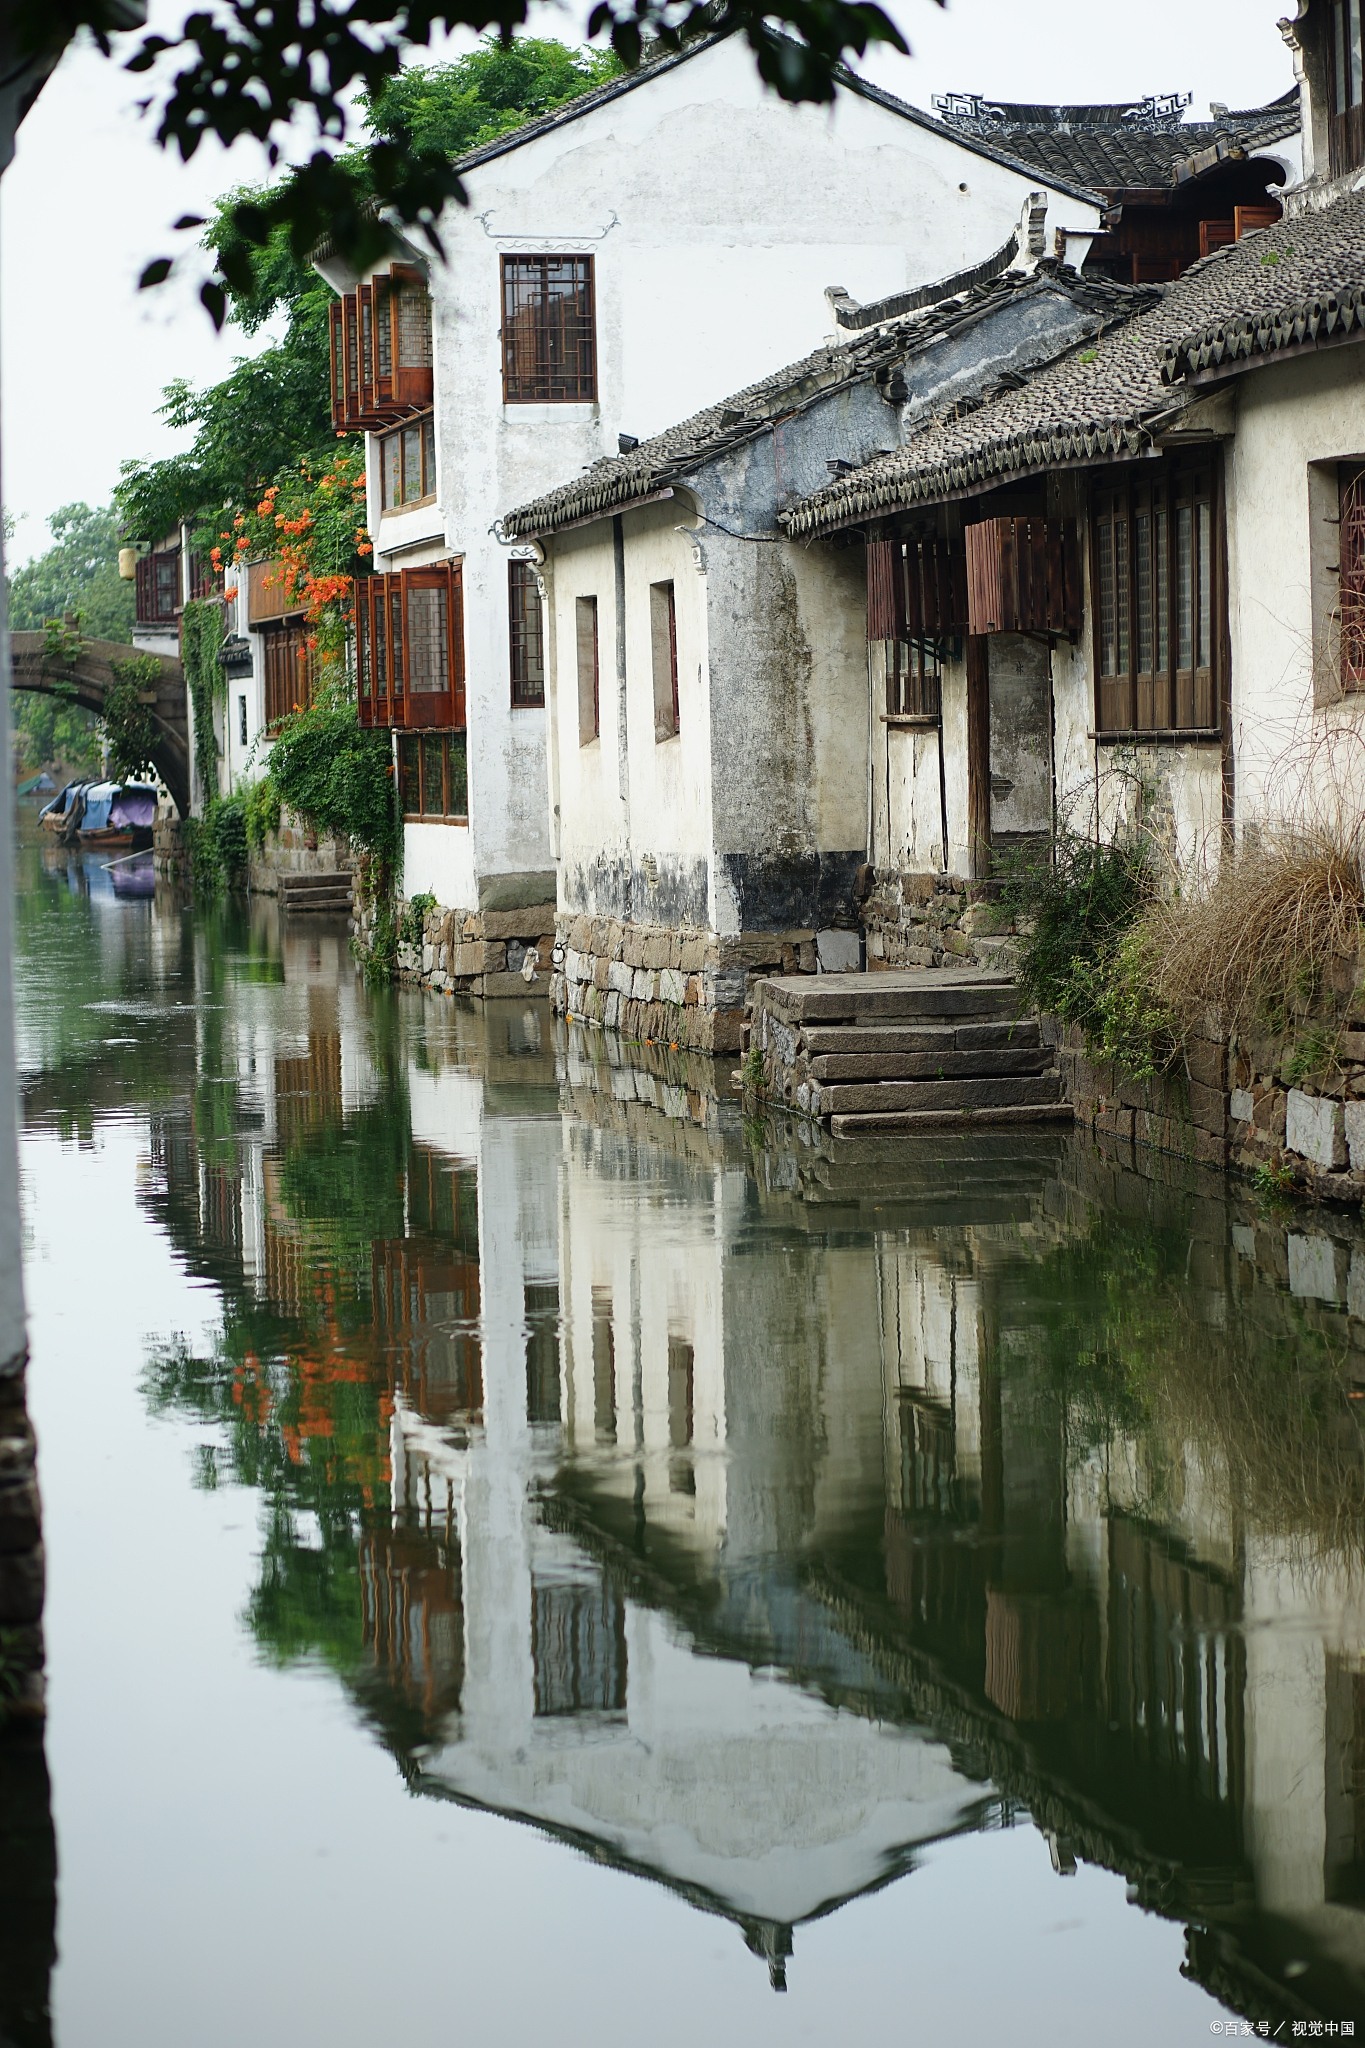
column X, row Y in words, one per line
column 99, row 800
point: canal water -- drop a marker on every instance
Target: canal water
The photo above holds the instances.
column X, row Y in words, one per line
column 534, row 1557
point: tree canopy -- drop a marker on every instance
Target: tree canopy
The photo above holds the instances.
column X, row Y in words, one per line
column 272, row 412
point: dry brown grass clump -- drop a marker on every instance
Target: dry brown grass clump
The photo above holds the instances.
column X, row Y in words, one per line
column 1258, row 942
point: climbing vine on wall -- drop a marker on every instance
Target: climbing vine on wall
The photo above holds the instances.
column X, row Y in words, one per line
column 129, row 728
column 201, row 636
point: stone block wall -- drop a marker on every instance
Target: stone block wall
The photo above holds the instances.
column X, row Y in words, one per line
column 1292, row 1104
column 678, row 987
column 297, row 850
column 933, row 920
column 1184, row 1112
column 21, row 1556
column 470, row 953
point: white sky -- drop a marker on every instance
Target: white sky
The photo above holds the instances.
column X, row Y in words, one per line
column 90, row 199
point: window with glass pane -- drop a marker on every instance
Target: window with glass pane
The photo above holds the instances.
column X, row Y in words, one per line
column 1158, row 605
column 433, row 781
column 407, row 465
column 526, row 634
column 410, row 774
column 428, row 640
column 549, row 346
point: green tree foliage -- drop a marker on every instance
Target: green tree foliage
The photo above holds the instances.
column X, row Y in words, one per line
column 337, row 776
column 273, row 412
column 78, row 573
column 457, row 107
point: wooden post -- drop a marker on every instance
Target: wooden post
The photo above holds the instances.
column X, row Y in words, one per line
column 978, row 758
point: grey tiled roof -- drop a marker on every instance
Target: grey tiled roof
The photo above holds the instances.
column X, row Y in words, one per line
column 1112, row 155
column 665, row 458
column 1101, row 399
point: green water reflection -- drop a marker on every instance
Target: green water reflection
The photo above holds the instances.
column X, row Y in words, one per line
column 600, row 1439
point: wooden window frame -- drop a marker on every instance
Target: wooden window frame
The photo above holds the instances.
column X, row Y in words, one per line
column 374, row 381
column 525, row 637
column 385, row 683
column 150, row 606
column 588, row 652
column 1345, row 86
column 288, row 668
column 663, row 635
column 425, row 426
column 1137, row 564
column 547, row 380
column 914, row 679
column 1351, row 575
column 453, row 775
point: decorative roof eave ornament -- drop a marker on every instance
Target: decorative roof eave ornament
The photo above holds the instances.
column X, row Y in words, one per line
column 1307, row 323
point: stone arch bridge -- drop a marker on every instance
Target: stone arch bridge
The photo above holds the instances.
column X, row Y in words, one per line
column 82, row 671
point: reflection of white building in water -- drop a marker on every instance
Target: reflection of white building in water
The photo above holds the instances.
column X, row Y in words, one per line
column 760, row 1509
column 643, row 1433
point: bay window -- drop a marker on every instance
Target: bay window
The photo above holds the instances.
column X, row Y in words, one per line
column 381, row 351
column 409, row 630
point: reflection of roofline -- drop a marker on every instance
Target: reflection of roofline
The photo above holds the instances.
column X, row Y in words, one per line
column 753, row 1926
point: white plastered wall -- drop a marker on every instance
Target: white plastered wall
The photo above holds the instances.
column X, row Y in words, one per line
column 716, row 216
column 1281, row 544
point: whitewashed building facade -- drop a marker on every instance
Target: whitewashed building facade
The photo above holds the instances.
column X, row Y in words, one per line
column 663, row 236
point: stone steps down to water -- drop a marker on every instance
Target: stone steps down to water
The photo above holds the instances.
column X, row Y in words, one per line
column 316, row 892
column 918, row 1051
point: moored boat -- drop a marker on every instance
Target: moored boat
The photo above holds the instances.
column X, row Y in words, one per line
column 118, row 815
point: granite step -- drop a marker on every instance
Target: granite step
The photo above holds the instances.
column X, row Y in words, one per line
column 989, row 1063
column 911, row 1122
column 1015, row 1034
column 878, row 1097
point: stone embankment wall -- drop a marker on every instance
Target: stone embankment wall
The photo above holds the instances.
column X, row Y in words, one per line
column 1185, row 1111
column 469, row 953
column 933, row 920
column 680, row 987
column 1291, row 1105
column 297, row 850
column 21, row 1555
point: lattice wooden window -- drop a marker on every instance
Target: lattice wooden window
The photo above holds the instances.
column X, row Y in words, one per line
column 433, row 776
column 914, row 679
column 1159, row 601
column 1346, row 125
column 916, row 598
column 549, row 344
column 409, row 627
column 589, row 706
column 526, row 636
column 1351, row 488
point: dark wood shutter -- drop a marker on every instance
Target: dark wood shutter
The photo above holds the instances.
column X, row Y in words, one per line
column 886, row 590
column 1017, row 577
column 1160, row 598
